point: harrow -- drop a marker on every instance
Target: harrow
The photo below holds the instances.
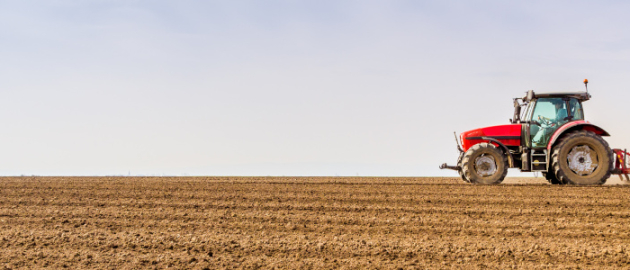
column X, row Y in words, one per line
column 622, row 164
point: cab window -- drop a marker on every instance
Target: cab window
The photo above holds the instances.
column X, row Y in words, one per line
column 576, row 109
column 545, row 108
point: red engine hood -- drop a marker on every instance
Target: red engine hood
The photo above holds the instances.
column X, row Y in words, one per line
column 510, row 135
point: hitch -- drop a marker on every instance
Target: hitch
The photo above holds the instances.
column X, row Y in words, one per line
column 445, row 166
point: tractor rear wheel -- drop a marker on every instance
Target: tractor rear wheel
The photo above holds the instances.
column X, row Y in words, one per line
column 582, row 158
column 484, row 163
column 551, row 177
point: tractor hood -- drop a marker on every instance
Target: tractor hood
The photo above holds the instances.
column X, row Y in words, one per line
column 509, row 135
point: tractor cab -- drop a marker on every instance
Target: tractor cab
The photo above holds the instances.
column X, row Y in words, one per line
column 547, row 134
column 542, row 114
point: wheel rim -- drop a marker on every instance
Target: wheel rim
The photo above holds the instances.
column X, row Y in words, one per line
column 582, row 160
column 485, row 165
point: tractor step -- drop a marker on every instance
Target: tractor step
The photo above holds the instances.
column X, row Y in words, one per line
column 539, row 160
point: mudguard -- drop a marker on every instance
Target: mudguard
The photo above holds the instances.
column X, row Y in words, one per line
column 575, row 125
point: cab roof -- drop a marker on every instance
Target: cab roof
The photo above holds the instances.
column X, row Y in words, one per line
column 581, row 96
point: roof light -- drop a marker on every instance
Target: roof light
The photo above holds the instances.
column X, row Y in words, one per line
column 586, row 84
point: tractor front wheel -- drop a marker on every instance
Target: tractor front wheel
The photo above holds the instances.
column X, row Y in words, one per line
column 582, row 158
column 484, row 163
column 460, row 171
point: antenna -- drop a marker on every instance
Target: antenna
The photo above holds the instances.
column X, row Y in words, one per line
column 586, row 84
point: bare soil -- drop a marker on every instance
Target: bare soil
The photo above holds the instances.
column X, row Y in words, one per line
column 309, row 223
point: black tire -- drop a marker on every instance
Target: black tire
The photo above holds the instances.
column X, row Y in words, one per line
column 460, row 171
column 582, row 158
column 478, row 162
column 551, row 177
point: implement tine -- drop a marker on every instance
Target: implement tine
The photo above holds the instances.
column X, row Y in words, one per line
column 625, row 161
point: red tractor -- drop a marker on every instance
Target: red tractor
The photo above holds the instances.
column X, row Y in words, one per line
column 548, row 134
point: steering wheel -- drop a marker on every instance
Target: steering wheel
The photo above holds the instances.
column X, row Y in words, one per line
column 544, row 121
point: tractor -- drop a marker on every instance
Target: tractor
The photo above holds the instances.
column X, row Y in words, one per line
column 548, row 134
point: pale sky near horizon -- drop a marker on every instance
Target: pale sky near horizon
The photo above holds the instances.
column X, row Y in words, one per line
column 369, row 88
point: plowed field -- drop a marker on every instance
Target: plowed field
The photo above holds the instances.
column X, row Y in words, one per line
column 309, row 222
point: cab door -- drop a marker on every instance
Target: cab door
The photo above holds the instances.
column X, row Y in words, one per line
column 526, row 123
column 547, row 116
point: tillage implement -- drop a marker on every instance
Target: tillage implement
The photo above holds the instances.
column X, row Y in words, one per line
column 547, row 134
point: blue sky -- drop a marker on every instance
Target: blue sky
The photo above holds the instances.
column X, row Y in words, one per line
column 289, row 87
